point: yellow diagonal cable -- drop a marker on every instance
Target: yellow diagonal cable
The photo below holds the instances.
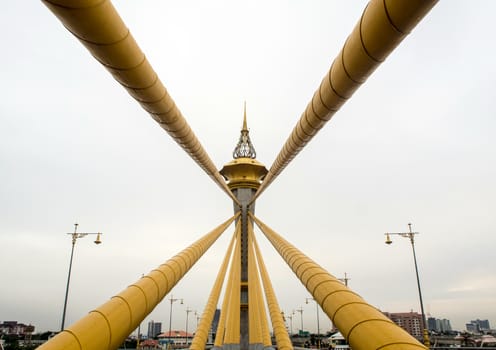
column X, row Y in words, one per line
column 108, row 326
column 266, row 339
column 221, row 327
column 255, row 315
column 232, row 330
column 381, row 28
column 264, row 325
column 201, row 334
column 101, row 30
column 364, row 326
column 279, row 328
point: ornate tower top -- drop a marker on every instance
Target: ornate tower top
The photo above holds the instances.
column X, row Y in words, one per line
column 244, row 171
column 244, row 148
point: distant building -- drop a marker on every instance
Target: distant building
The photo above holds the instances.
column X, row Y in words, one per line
column 478, row 326
column 215, row 323
column 484, row 325
column 154, row 329
column 438, row 325
column 409, row 321
column 175, row 337
column 149, row 344
column 445, row 325
column 13, row 327
column 432, row 324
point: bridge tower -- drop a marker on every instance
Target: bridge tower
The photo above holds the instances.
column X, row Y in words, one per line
column 244, row 175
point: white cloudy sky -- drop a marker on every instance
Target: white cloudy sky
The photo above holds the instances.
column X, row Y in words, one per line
column 414, row 144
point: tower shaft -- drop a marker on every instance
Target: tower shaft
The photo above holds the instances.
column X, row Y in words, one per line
column 244, row 175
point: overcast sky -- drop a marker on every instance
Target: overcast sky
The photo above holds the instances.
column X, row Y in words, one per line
column 414, row 144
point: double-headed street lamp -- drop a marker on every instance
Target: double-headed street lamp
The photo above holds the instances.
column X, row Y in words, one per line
column 172, row 300
column 411, row 235
column 75, row 235
column 318, row 323
column 300, row 310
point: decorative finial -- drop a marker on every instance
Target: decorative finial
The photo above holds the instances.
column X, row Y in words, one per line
column 245, row 127
column 244, row 148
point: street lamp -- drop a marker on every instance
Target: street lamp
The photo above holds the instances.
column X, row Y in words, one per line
column 318, row 324
column 411, row 235
column 188, row 310
column 346, row 278
column 138, row 338
column 198, row 318
column 172, row 300
column 291, row 322
column 300, row 310
column 75, row 235
column 139, row 326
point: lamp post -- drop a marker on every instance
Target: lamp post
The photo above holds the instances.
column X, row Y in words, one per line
column 139, row 326
column 411, row 236
column 300, row 310
column 188, row 310
column 198, row 318
column 318, row 323
column 172, row 300
column 75, row 235
column 291, row 322
column 345, row 279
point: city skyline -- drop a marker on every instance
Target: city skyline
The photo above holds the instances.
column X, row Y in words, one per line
column 414, row 144
column 154, row 328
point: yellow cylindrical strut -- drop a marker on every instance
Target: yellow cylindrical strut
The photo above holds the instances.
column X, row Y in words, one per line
column 101, row 30
column 381, row 28
column 279, row 328
column 255, row 313
column 264, row 324
column 108, row 326
column 201, row 334
column 364, row 326
column 221, row 327
column 266, row 339
column 232, row 333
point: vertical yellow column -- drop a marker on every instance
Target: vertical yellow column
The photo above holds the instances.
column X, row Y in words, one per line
column 232, row 334
column 221, row 327
column 254, row 312
column 264, row 324
column 280, row 332
column 201, row 334
column 262, row 315
column 364, row 326
column 108, row 326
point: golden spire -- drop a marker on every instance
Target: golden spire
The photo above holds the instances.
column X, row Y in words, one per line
column 245, row 127
column 244, row 148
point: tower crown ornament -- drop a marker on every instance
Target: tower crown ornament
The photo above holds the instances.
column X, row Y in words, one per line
column 244, row 148
column 244, row 171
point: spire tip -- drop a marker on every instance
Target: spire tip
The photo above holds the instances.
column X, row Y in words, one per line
column 245, row 125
